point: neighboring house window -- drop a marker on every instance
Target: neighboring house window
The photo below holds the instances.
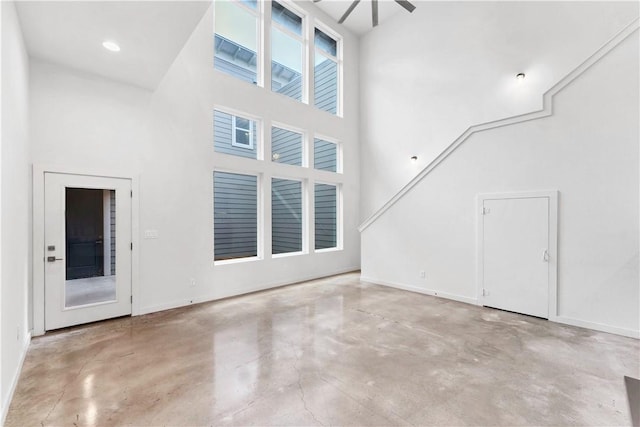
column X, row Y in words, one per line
column 325, row 155
column 286, row 216
column 242, row 133
column 237, row 39
column 235, row 135
column 287, row 51
column 286, row 146
column 235, row 207
column 327, row 65
column 326, row 216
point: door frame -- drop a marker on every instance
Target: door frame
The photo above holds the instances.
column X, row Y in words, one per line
column 552, row 195
column 38, row 212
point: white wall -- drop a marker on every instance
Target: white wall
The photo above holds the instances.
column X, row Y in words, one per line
column 14, row 226
column 588, row 150
column 427, row 76
column 166, row 138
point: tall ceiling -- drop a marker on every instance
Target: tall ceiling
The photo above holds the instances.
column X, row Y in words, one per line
column 71, row 33
column 359, row 21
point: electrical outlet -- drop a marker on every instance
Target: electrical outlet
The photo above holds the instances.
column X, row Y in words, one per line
column 193, row 283
column 422, row 274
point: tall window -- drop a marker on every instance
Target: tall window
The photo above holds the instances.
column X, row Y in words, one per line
column 326, row 216
column 286, row 146
column 326, row 78
column 235, row 228
column 286, row 216
column 234, row 135
column 287, row 52
column 236, row 38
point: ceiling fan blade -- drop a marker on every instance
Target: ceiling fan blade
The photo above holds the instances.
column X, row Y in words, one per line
column 348, row 12
column 407, row 5
column 374, row 12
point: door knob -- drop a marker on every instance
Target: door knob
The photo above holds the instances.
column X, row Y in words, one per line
column 54, row 259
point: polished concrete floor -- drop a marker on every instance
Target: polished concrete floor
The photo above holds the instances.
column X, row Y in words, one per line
column 327, row 352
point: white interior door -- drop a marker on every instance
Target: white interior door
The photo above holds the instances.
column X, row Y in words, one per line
column 516, row 255
column 87, row 262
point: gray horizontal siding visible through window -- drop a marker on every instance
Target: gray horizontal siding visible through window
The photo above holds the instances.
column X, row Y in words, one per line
column 112, row 197
column 325, row 199
column 325, row 155
column 286, row 146
column 235, row 199
column 286, row 216
column 222, row 136
column 326, row 86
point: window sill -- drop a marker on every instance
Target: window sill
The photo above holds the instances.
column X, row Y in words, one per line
column 322, row 251
column 288, row 254
column 236, row 261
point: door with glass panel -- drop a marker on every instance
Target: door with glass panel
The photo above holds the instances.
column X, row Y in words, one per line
column 87, row 250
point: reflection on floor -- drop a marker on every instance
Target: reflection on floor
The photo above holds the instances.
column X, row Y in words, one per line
column 90, row 290
column 336, row 351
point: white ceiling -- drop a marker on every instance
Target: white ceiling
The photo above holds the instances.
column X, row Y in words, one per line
column 359, row 21
column 150, row 34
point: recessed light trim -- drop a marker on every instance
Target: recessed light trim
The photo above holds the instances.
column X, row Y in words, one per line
column 111, row 46
column 520, row 76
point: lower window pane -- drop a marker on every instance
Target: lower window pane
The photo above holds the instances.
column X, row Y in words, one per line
column 326, row 216
column 326, row 84
column 235, row 229
column 286, row 216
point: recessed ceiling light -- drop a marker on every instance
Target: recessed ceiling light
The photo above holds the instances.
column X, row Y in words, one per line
column 112, row 46
column 520, row 76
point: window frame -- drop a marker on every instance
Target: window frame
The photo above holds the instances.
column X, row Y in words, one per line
column 235, row 127
column 304, row 214
column 304, row 42
column 259, row 217
column 330, row 140
column 304, row 144
column 258, row 14
column 339, row 217
column 337, row 59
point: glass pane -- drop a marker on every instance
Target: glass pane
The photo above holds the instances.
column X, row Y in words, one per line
column 325, row 84
column 235, row 228
column 286, row 18
column 90, row 226
column 286, row 146
column 325, row 43
column 223, row 130
column 325, row 155
column 236, row 41
column 286, row 65
column 286, row 216
column 253, row 4
column 326, row 197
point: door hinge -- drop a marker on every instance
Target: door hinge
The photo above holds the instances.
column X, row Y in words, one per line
column 131, row 245
column 131, row 299
column 486, row 211
column 131, row 193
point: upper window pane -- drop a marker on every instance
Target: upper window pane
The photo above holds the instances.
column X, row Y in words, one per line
column 283, row 16
column 236, row 39
column 325, row 155
column 235, row 202
column 234, row 135
column 326, row 43
column 286, row 146
column 286, row 64
column 286, row 216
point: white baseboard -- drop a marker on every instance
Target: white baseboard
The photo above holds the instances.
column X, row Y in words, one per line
column 419, row 290
column 597, row 327
column 16, row 377
column 263, row 287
